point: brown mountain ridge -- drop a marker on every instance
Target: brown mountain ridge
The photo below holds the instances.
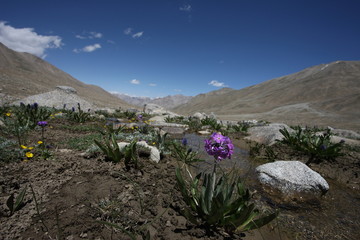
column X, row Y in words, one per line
column 23, row 75
column 322, row 95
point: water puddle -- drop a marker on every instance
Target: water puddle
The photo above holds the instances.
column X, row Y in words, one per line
column 335, row 216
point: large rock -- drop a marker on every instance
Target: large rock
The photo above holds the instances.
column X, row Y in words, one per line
column 346, row 133
column 292, row 178
column 267, row 134
column 199, row 115
column 154, row 152
column 67, row 89
column 171, row 128
column 60, row 97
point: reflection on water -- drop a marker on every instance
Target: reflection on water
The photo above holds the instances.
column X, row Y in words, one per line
column 335, row 216
column 239, row 160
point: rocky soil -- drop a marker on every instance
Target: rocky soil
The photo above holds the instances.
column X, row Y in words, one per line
column 76, row 195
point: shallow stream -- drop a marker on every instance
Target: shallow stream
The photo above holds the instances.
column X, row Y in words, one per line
column 335, row 216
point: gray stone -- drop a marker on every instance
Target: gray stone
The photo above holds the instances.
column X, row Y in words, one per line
column 351, row 142
column 67, row 89
column 154, row 152
column 204, row 132
column 199, row 115
column 267, row 134
column 346, row 133
column 292, row 177
column 57, row 99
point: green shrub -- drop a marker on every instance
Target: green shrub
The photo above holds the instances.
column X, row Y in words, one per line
column 111, row 149
column 194, row 124
column 9, row 151
column 78, row 116
column 317, row 146
column 222, row 202
column 184, row 154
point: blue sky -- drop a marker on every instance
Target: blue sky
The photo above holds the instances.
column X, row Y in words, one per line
column 163, row 47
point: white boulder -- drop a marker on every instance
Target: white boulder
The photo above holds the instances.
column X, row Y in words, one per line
column 292, row 178
column 267, row 134
column 154, row 152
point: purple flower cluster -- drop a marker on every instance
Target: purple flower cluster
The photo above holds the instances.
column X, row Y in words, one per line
column 219, row 146
column 42, row 123
column 140, row 117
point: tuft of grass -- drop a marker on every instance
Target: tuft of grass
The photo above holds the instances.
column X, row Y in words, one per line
column 79, row 128
column 82, row 142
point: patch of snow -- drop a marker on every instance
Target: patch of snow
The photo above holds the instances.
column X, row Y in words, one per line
column 324, row 67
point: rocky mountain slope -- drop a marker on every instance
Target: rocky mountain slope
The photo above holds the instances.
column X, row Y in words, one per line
column 23, row 75
column 326, row 94
column 167, row 102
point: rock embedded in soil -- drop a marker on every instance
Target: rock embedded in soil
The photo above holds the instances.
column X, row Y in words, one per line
column 292, row 178
column 267, row 134
column 154, row 152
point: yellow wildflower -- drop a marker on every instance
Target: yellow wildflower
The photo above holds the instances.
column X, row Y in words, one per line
column 29, row 155
column 40, row 142
column 25, row 160
column 23, row 147
column 31, row 148
column 154, row 143
column 8, row 114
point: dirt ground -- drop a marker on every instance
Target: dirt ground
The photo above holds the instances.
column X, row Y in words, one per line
column 76, row 195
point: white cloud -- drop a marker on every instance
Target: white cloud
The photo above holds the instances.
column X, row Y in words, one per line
column 128, row 31
column 89, row 35
column 152, row 84
column 177, row 90
column 135, row 81
column 89, row 48
column 216, row 83
column 95, row 35
column 137, row 35
column 27, row 40
column 186, row 8
column 80, row 37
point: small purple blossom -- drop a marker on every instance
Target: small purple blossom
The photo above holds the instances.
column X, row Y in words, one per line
column 34, row 106
column 184, row 141
column 140, row 117
column 219, row 146
column 323, row 147
column 42, row 123
column 73, row 109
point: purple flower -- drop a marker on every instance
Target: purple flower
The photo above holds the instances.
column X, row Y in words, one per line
column 73, row 109
column 184, row 141
column 42, row 123
column 219, row 146
column 139, row 117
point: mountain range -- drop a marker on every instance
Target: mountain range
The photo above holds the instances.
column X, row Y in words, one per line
column 326, row 94
column 23, row 75
column 322, row 95
column 167, row 102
